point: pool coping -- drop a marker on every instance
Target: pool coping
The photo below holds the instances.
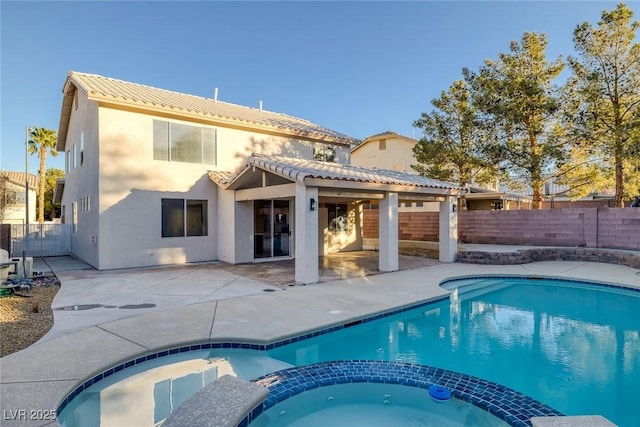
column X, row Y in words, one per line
column 30, row 382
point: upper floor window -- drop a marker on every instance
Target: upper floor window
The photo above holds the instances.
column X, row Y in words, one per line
column 382, row 144
column 81, row 149
column 177, row 142
column 324, row 153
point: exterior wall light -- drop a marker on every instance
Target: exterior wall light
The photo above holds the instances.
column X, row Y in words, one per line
column 312, row 204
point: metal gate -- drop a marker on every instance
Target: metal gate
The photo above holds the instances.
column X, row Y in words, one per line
column 39, row 240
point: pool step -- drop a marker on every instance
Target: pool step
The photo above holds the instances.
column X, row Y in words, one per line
column 464, row 290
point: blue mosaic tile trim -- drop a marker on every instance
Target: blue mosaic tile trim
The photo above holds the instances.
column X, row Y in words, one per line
column 511, row 406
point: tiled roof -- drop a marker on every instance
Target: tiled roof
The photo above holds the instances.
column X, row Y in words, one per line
column 220, row 177
column 122, row 92
column 18, row 178
column 299, row 169
column 384, row 134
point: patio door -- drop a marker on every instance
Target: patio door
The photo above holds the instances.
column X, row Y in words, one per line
column 271, row 229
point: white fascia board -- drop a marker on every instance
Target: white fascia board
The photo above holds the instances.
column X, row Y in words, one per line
column 266, row 193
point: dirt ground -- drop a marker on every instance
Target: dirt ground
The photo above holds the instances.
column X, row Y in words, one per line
column 26, row 319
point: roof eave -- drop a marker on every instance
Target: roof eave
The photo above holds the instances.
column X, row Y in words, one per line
column 68, row 92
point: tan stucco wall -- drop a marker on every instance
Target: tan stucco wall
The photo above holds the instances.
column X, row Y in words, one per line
column 398, row 155
column 82, row 181
column 132, row 186
column 125, row 185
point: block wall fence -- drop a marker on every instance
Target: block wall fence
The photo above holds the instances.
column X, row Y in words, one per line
column 613, row 228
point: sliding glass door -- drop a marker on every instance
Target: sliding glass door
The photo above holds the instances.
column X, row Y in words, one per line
column 272, row 232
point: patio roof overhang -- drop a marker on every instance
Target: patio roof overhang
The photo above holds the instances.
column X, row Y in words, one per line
column 492, row 195
column 270, row 176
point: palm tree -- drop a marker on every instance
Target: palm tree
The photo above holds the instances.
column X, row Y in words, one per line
column 41, row 141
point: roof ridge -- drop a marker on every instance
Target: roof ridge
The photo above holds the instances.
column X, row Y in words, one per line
column 71, row 73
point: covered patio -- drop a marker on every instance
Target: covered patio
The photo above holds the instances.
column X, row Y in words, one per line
column 313, row 193
column 331, row 267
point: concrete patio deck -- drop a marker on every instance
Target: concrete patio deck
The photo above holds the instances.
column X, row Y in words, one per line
column 213, row 303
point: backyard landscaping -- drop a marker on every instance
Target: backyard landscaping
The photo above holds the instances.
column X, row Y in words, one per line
column 26, row 319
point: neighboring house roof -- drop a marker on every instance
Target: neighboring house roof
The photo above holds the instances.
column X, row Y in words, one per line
column 551, row 189
column 504, row 193
column 298, row 170
column 105, row 89
column 384, row 135
column 18, row 178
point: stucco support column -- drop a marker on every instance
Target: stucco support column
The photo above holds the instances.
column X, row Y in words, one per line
column 448, row 239
column 306, row 234
column 388, row 232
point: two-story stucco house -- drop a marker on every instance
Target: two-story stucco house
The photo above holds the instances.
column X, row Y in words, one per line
column 157, row 177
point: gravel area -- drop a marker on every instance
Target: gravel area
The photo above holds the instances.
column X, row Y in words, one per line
column 25, row 319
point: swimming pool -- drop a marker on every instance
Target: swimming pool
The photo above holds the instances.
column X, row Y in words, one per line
column 573, row 346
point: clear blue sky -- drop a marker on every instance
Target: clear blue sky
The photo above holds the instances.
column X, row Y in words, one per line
column 359, row 68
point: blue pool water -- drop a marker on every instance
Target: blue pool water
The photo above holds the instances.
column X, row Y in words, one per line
column 372, row 405
column 572, row 346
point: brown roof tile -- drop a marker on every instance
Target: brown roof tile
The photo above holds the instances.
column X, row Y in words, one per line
column 18, row 178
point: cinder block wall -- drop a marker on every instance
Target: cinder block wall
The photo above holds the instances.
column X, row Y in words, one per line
column 548, row 227
column 619, row 228
column 422, row 226
column 616, row 228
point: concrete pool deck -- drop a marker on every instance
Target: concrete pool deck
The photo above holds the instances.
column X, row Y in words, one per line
column 37, row 379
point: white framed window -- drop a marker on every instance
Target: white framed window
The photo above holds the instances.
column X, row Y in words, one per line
column 67, row 161
column 338, row 217
column 177, row 142
column 85, row 204
column 74, row 217
column 324, row 153
column 81, row 149
column 74, row 157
